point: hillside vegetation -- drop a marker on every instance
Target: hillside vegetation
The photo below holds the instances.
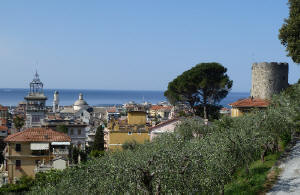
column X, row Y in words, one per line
column 196, row 158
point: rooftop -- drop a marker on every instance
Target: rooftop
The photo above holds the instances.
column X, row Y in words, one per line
column 38, row 135
column 3, row 128
column 158, row 107
column 164, row 123
column 250, row 102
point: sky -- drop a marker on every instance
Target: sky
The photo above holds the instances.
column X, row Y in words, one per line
column 134, row 44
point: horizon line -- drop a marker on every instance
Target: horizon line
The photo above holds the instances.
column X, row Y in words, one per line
column 108, row 89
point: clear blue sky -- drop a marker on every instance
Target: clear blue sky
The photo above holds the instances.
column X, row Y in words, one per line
column 140, row 44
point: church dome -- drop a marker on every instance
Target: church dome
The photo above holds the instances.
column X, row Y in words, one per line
column 80, row 103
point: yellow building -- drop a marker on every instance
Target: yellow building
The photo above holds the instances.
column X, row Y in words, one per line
column 134, row 128
column 27, row 149
column 246, row 105
column 136, row 118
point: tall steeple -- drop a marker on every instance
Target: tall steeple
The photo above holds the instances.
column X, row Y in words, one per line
column 35, row 103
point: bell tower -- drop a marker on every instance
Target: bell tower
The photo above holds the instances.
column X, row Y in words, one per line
column 35, row 103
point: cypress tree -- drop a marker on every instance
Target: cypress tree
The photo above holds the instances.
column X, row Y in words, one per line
column 99, row 139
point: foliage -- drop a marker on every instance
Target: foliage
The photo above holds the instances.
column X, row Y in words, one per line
column 130, row 145
column 99, row 139
column 51, row 177
column 205, row 84
column 213, row 111
column 22, row 185
column 195, row 159
column 62, row 129
column 289, row 34
column 2, row 147
column 254, row 182
column 96, row 153
column 19, row 122
column 75, row 152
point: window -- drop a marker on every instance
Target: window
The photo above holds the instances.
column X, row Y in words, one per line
column 71, row 131
column 35, row 119
column 18, row 164
column 18, row 147
column 79, row 131
column 129, row 133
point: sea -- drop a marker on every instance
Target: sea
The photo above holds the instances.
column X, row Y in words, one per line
column 12, row 96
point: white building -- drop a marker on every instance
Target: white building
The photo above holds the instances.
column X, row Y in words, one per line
column 164, row 127
column 56, row 102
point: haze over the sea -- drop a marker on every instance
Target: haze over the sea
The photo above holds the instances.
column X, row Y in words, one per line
column 11, row 97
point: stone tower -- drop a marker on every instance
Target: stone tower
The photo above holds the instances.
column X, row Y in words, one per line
column 56, row 102
column 268, row 79
column 35, row 103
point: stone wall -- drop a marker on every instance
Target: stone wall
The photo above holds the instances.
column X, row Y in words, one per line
column 268, row 79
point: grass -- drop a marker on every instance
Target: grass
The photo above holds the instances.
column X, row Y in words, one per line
column 259, row 179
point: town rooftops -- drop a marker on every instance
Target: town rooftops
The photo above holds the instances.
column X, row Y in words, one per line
column 3, row 128
column 3, row 108
column 38, row 135
column 158, row 107
column 112, row 110
column 164, row 123
column 250, row 102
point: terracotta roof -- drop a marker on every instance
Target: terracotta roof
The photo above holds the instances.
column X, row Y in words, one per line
column 3, row 108
column 164, row 123
column 250, row 102
column 3, row 128
column 38, row 135
column 3, row 121
column 157, row 107
column 111, row 110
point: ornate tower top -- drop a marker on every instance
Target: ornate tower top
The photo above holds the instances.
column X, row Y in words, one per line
column 36, row 86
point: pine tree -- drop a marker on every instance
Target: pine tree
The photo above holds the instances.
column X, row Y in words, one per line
column 289, row 34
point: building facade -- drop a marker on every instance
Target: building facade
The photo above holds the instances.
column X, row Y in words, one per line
column 27, row 149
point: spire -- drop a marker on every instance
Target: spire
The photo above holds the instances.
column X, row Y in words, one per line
column 36, row 86
column 36, row 74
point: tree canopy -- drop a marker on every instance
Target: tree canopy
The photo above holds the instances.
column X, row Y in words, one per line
column 195, row 159
column 18, row 122
column 62, row 128
column 289, row 34
column 99, row 139
column 204, row 84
